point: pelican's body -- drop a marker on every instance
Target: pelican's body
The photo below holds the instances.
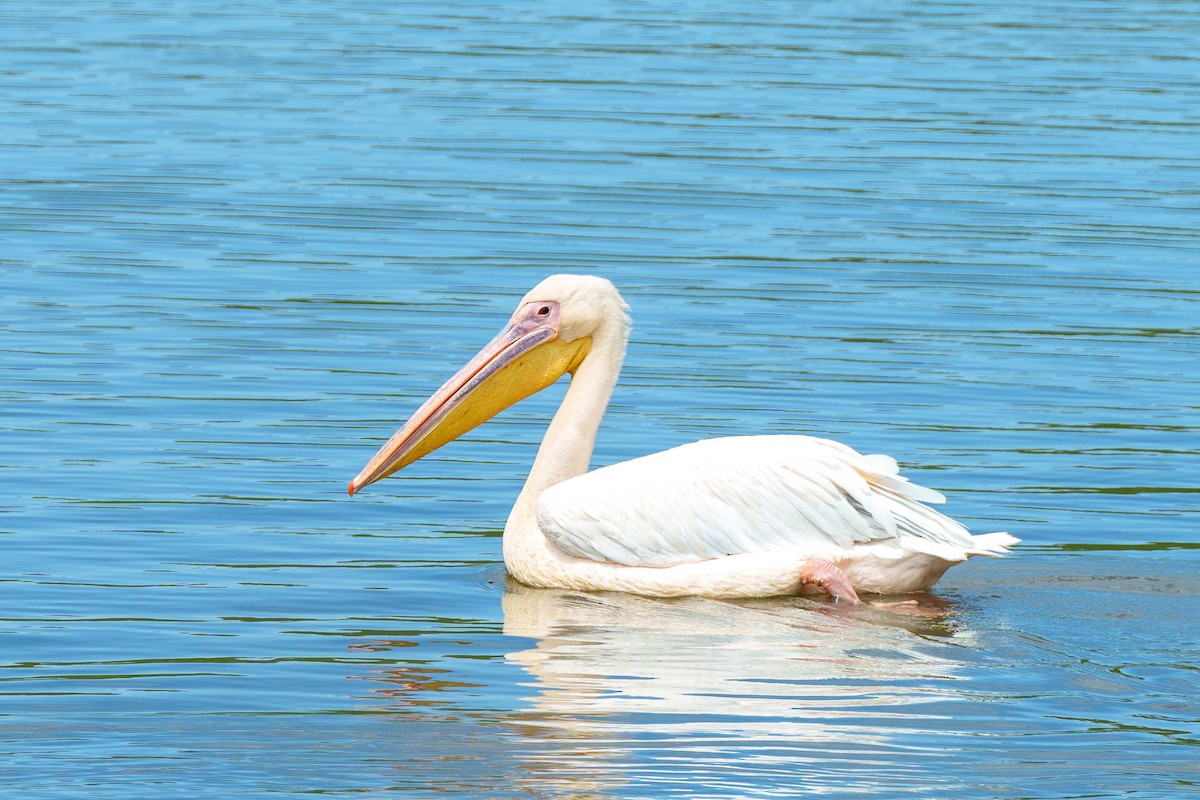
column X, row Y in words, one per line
column 748, row 516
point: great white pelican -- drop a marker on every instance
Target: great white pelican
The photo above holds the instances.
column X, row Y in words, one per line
column 742, row 516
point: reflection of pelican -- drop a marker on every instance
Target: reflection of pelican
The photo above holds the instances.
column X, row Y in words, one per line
column 604, row 695
column 693, row 648
column 650, row 693
column 733, row 517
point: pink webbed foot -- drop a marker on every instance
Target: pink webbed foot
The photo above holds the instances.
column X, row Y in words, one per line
column 826, row 576
column 910, row 608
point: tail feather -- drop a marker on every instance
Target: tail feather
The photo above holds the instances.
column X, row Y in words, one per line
column 992, row 544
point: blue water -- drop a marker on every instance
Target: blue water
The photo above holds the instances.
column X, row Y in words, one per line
column 240, row 242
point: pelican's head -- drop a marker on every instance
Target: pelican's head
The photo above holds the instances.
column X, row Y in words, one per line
column 549, row 335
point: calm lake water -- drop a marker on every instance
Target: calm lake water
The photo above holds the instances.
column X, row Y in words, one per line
column 242, row 241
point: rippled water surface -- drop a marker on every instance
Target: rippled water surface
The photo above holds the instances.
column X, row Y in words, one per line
column 242, row 241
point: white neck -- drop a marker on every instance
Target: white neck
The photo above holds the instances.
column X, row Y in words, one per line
column 566, row 449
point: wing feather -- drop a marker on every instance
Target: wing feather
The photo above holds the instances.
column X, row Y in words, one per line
column 745, row 494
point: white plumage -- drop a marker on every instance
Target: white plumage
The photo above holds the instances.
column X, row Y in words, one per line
column 742, row 516
column 792, row 496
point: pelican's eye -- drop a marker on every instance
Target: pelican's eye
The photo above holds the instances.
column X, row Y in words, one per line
column 544, row 311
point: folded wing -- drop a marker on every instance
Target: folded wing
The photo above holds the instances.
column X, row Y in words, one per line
column 748, row 494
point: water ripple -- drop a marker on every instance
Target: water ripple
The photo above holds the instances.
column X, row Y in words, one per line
column 240, row 246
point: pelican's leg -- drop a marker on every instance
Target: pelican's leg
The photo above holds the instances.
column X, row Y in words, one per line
column 826, row 576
